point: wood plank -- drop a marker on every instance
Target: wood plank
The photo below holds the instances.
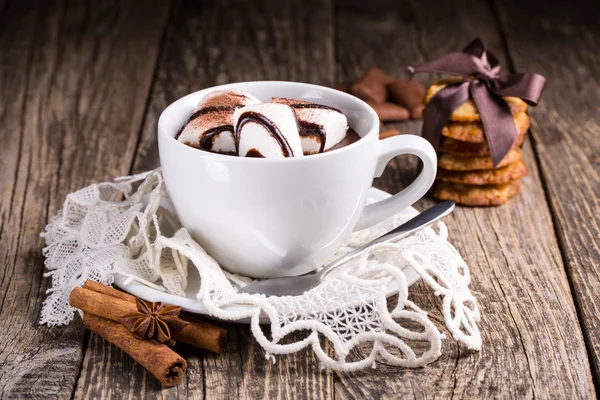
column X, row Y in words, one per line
column 262, row 40
column 26, row 349
column 562, row 42
column 533, row 346
column 64, row 73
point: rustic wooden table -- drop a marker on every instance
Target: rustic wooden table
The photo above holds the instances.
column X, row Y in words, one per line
column 82, row 85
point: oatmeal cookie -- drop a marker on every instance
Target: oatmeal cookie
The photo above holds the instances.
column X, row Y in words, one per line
column 499, row 176
column 473, row 131
column 471, row 195
column 458, row 148
column 462, row 163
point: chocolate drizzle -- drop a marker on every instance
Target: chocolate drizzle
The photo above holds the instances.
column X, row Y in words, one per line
column 206, row 140
column 305, row 128
column 302, row 104
column 308, row 129
column 179, row 131
column 209, row 110
column 251, row 116
column 313, row 105
column 254, row 153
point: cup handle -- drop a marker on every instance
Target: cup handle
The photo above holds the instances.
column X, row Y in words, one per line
column 388, row 149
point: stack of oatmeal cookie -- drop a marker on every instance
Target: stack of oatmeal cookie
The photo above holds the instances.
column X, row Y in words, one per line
column 465, row 171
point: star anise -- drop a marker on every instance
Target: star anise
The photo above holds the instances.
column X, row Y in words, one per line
column 154, row 321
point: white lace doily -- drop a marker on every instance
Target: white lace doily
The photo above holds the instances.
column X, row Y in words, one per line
column 120, row 227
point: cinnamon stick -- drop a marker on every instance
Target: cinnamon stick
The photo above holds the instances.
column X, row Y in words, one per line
column 109, row 290
column 100, row 304
column 106, row 305
column 166, row 365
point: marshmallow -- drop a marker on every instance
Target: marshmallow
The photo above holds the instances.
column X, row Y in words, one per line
column 267, row 130
column 211, row 125
column 320, row 127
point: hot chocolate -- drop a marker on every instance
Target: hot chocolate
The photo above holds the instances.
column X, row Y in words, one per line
column 235, row 123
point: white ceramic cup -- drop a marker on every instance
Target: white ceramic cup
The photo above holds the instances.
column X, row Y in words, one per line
column 266, row 218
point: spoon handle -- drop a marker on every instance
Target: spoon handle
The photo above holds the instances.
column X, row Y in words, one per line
column 411, row 226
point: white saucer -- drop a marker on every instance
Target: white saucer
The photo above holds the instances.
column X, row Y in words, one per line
column 190, row 304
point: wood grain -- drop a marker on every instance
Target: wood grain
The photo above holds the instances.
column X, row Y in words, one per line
column 263, row 40
column 26, row 349
column 107, row 372
column 533, row 346
column 75, row 77
column 563, row 43
column 86, row 82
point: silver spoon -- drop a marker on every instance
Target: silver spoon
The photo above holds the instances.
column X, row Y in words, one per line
column 296, row 285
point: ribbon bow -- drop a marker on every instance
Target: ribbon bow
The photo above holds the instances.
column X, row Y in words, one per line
column 484, row 85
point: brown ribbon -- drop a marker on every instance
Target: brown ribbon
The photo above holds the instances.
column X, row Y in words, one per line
column 483, row 84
